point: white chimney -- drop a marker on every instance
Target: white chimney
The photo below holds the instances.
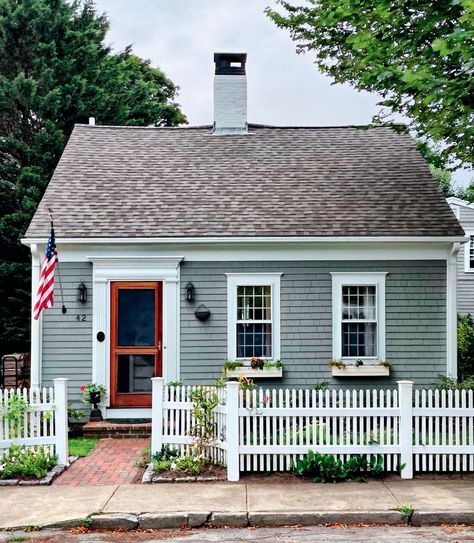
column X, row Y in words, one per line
column 92, row 121
column 230, row 94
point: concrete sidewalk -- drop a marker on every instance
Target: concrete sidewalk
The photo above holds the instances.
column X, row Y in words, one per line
column 442, row 501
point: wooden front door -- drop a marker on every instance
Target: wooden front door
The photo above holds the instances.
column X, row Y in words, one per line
column 136, row 335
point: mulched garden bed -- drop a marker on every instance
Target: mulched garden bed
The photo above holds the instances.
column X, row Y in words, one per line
column 44, row 481
column 210, row 473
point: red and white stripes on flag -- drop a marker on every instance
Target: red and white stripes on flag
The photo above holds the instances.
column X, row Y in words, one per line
column 45, row 295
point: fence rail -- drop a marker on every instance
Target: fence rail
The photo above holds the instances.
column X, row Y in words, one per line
column 266, row 430
column 44, row 422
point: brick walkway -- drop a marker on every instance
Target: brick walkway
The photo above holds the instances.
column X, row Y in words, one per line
column 112, row 462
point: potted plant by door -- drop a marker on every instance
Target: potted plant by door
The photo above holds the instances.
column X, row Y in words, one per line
column 93, row 394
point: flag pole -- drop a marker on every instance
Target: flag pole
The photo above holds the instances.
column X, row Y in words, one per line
column 63, row 308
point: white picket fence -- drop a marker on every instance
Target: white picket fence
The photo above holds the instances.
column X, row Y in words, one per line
column 266, row 430
column 45, row 421
column 174, row 407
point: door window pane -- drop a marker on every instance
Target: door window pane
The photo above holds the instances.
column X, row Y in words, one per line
column 134, row 372
column 136, row 318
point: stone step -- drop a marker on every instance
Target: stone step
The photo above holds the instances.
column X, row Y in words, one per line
column 119, row 430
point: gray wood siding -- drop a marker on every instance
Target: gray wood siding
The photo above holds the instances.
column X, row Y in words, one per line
column 415, row 319
column 415, row 322
column 66, row 342
column 465, row 293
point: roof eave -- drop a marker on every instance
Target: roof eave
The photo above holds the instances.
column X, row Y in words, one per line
column 242, row 239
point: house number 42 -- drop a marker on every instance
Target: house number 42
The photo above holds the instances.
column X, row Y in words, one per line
column 80, row 318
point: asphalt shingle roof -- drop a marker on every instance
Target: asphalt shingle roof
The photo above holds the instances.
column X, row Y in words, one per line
column 275, row 181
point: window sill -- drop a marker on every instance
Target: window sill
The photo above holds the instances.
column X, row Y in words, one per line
column 360, row 371
column 265, row 373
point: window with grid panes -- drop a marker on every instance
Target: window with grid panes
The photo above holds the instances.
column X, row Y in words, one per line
column 254, row 321
column 471, row 252
column 359, row 321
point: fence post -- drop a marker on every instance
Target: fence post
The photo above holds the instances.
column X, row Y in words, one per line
column 232, row 437
column 405, row 398
column 61, row 420
column 156, row 415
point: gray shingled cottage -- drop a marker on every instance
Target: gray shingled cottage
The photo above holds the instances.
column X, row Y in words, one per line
column 203, row 244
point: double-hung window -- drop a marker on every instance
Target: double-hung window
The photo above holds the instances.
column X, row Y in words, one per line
column 358, row 316
column 253, row 316
column 469, row 253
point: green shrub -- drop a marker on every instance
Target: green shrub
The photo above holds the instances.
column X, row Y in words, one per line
column 448, row 383
column 166, row 453
column 23, row 461
column 168, row 459
column 465, row 347
column 325, row 468
column 161, row 465
column 190, row 465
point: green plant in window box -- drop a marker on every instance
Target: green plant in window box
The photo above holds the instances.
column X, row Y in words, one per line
column 337, row 364
column 230, row 365
column 385, row 364
column 275, row 364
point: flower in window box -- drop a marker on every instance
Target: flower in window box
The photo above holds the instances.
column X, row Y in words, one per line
column 257, row 363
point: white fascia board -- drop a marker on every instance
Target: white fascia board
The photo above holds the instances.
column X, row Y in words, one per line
column 103, row 255
column 256, row 239
column 452, row 200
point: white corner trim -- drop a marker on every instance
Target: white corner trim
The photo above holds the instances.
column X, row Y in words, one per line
column 258, row 279
column 451, row 313
column 340, row 279
column 36, row 325
column 104, row 271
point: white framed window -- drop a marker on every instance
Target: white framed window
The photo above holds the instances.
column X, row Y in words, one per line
column 358, row 316
column 253, row 316
column 469, row 253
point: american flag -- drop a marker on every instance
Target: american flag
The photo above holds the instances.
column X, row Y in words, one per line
column 45, row 295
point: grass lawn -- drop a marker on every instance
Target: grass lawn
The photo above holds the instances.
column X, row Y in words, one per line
column 81, row 446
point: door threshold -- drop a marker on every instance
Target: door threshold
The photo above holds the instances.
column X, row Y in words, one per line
column 127, row 413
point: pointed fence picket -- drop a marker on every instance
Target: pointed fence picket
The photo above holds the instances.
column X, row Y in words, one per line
column 268, row 429
column 44, row 423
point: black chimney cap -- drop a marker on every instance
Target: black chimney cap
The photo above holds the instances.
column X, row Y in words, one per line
column 230, row 63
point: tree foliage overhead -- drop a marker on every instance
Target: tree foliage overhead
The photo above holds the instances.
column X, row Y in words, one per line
column 417, row 54
column 55, row 71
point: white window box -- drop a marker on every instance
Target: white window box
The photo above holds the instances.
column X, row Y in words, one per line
column 360, row 371
column 255, row 373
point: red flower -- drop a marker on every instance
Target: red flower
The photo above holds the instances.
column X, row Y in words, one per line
column 83, row 387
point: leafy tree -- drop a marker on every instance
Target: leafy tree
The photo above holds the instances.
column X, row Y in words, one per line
column 465, row 347
column 417, row 54
column 55, row 71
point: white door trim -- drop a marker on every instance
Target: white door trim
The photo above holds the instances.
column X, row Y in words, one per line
column 108, row 269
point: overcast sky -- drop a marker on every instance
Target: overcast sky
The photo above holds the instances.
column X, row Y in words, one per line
column 180, row 37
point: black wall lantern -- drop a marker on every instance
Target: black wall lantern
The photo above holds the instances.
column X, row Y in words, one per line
column 202, row 313
column 189, row 289
column 82, row 293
